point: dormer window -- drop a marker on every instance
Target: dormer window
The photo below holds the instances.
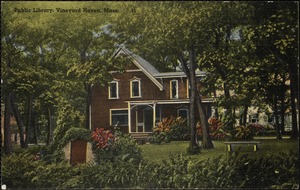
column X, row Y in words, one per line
column 113, row 89
column 174, row 89
column 135, row 88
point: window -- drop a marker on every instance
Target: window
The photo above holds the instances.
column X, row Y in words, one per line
column 254, row 118
column 174, row 89
column 119, row 117
column 271, row 119
column 184, row 113
column 135, row 88
column 113, row 90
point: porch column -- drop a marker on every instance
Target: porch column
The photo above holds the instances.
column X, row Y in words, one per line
column 154, row 113
column 129, row 117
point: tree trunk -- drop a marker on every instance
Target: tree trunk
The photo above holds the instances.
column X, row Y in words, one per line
column 244, row 121
column 206, row 140
column 282, row 107
column 193, row 142
column 34, row 126
column 278, row 134
column 293, row 69
column 7, row 128
column 293, row 88
column 28, row 124
column 21, row 126
column 49, row 127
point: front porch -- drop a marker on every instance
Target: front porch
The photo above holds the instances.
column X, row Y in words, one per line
column 144, row 115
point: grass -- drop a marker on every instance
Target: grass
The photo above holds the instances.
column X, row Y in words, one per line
column 156, row 153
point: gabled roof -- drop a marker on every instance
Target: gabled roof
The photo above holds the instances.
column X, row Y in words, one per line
column 149, row 70
column 142, row 64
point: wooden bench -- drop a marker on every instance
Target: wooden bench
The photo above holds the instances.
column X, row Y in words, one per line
column 230, row 145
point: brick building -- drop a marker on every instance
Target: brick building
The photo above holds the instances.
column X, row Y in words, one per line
column 138, row 98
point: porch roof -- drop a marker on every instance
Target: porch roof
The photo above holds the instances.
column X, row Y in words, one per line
column 173, row 101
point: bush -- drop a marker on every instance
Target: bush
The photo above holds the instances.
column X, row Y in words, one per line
column 16, row 170
column 177, row 172
column 117, row 174
column 170, row 129
column 243, row 132
column 52, row 175
column 108, row 147
column 256, row 128
column 24, row 171
column 247, row 171
column 162, row 131
column 103, row 139
column 249, row 131
column 180, row 130
column 216, row 129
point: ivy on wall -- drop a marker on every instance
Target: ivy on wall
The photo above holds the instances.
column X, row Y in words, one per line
column 75, row 133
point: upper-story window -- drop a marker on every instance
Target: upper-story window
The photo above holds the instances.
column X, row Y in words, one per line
column 135, row 88
column 174, row 89
column 113, row 90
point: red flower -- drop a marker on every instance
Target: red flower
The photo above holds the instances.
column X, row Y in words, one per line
column 103, row 138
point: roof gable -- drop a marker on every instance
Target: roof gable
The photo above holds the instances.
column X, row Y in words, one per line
column 148, row 69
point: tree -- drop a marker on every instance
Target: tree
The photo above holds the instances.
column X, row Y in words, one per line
column 90, row 46
column 33, row 69
column 173, row 30
column 52, row 61
column 277, row 37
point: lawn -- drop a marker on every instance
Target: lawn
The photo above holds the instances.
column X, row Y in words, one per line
column 156, row 153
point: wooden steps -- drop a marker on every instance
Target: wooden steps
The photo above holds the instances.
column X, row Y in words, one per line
column 140, row 137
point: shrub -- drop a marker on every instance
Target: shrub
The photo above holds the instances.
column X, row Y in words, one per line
column 16, row 168
column 52, row 175
column 170, row 129
column 216, row 129
column 249, row 131
column 243, row 132
column 108, row 147
column 267, row 130
column 103, row 138
column 162, row 131
column 180, row 129
column 256, row 128
column 238, row 171
column 117, row 174
column 177, row 172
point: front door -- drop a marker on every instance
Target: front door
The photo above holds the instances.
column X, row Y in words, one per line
column 148, row 120
column 78, row 152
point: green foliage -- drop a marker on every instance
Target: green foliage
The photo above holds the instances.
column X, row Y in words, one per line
column 248, row 132
column 267, row 171
column 192, row 150
column 52, row 175
column 170, row 129
column 15, row 170
column 55, row 152
column 178, row 171
column 243, row 132
column 162, row 131
column 216, row 129
column 124, row 148
column 75, row 133
column 180, row 129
